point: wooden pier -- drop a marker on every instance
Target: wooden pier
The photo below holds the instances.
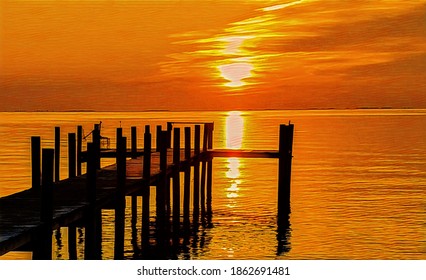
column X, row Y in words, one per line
column 28, row 218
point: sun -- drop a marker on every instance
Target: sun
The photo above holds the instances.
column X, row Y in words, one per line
column 235, row 73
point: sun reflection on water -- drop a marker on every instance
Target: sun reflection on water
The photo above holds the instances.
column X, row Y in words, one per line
column 234, row 130
column 234, row 139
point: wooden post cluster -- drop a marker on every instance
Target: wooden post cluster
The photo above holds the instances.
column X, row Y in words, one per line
column 202, row 186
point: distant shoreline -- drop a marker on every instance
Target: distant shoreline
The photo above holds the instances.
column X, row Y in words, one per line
column 212, row 110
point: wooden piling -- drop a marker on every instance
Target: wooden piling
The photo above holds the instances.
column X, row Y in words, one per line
column 72, row 242
column 209, row 170
column 120, row 203
column 72, row 172
column 203, row 171
column 284, row 171
column 161, row 191
column 147, row 177
column 71, row 155
column 169, row 134
column 57, row 153
column 187, row 177
column 176, row 179
column 92, row 227
column 196, row 201
column 35, row 162
column 158, row 138
column 134, row 141
column 43, row 247
column 79, row 148
column 134, row 201
column 96, row 138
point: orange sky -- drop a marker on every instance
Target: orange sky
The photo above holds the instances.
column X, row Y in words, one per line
column 178, row 55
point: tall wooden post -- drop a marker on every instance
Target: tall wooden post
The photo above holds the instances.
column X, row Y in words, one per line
column 169, row 134
column 72, row 245
column 120, row 203
column 79, row 148
column 97, row 144
column 158, row 138
column 35, row 162
column 71, row 155
column 203, row 171
column 146, row 196
column 134, row 141
column 176, row 180
column 196, row 202
column 187, row 177
column 43, row 247
column 161, row 191
column 93, row 225
column 57, row 153
column 284, row 171
column 209, row 172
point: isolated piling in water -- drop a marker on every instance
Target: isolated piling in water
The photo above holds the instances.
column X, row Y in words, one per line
column 176, row 179
column 43, row 247
column 120, row 203
column 71, row 155
column 284, row 170
column 161, row 191
column 79, row 148
column 57, row 152
column 35, row 162
column 196, row 206
column 147, row 177
column 187, row 177
column 134, row 141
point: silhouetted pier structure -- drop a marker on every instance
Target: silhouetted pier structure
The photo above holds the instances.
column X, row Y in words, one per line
column 27, row 218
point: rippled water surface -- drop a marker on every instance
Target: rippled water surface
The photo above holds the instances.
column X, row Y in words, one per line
column 358, row 182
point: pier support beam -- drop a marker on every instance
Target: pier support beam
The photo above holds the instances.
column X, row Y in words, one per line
column 93, row 223
column 146, row 196
column 43, row 247
column 57, row 153
column 72, row 245
column 35, row 162
column 79, row 148
column 96, row 138
column 187, row 178
column 120, row 203
column 196, row 206
column 203, row 172
column 284, row 171
column 176, row 180
column 209, row 171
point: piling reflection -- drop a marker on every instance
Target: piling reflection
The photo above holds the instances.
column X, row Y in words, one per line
column 283, row 235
